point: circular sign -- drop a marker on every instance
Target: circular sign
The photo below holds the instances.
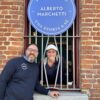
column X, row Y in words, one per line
column 51, row 17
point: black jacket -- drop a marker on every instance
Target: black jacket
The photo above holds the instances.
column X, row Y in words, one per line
column 19, row 79
column 51, row 73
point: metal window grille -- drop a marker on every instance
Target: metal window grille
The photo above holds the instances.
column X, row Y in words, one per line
column 66, row 52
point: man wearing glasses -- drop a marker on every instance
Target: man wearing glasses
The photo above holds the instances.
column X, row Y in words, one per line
column 19, row 79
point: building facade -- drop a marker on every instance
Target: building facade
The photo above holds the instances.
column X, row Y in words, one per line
column 14, row 25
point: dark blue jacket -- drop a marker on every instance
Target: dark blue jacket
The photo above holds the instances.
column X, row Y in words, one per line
column 19, row 79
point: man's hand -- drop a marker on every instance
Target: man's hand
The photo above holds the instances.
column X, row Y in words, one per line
column 53, row 93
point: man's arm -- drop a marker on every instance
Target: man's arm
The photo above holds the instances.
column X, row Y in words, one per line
column 38, row 87
column 5, row 77
column 41, row 89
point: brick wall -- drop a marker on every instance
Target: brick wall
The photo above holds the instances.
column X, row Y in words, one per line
column 90, row 47
column 11, row 29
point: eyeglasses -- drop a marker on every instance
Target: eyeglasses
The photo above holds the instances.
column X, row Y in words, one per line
column 34, row 50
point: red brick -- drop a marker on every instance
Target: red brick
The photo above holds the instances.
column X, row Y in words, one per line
column 17, row 43
column 96, row 85
column 10, row 52
column 87, row 52
column 97, row 52
column 12, row 48
column 97, row 76
column 6, row 43
column 15, row 16
column 98, row 80
column 1, row 66
column 85, row 81
column 7, row 34
column 89, row 71
column 87, row 48
column 6, row 3
column 96, row 38
column 12, row 30
column 7, row 25
column 3, row 48
column 89, row 76
column 88, row 24
column 10, row 57
column 2, row 57
column 87, row 86
column 88, row 61
column 8, row 16
column 96, row 2
column 87, row 56
column 89, row 6
column 87, row 15
column 17, row 35
column 87, row 66
column 14, row 39
column 5, row 20
column 88, row 1
column 15, row 12
column 4, row 7
column 96, row 29
column 95, row 90
column 5, row 12
column 3, row 38
column 95, row 98
column 1, row 16
column 14, row 7
column 98, row 71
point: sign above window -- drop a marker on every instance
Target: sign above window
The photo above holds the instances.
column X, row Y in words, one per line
column 51, row 17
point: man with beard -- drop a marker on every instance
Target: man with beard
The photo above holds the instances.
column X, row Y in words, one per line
column 19, row 79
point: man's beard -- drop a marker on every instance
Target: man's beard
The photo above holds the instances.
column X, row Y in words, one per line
column 31, row 57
